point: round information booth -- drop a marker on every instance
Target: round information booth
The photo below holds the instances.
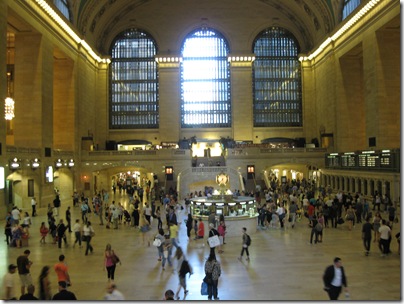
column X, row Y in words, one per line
column 238, row 212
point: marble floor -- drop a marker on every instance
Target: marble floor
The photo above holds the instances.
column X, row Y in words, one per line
column 283, row 265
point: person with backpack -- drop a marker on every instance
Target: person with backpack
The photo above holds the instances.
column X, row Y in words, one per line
column 212, row 274
column 183, row 268
column 246, row 243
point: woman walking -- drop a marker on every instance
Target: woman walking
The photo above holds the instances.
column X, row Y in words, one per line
column 179, row 255
column 350, row 217
column 44, row 284
column 88, row 233
column 189, row 225
column 144, row 229
column 160, row 249
column 212, row 272
column 43, row 230
column 167, row 247
column 110, row 262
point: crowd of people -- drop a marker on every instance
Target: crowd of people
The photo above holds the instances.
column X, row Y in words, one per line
column 278, row 208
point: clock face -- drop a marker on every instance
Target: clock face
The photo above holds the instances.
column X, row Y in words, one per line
column 222, row 179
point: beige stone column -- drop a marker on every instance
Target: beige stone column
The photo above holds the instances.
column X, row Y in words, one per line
column 241, row 92
column 362, row 181
column 33, row 122
column 381, row 53
column 169, row 103
column 3, row 95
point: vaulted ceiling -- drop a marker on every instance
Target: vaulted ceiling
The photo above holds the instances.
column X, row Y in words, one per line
column 99, row 21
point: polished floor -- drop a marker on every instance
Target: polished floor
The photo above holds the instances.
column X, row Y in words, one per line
column 283, row 265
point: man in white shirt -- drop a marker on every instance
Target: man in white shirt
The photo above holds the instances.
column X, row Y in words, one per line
column 15, row 213
column 385, row 233
column 334, row 279
column 9, row 283
column 113, row 294
column 33, row 205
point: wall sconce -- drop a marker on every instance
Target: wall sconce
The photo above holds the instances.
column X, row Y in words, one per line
column 59, row 163
column 35, row 163
column 70, row 164
column 169, row 172
column 15, row 163
column 250, row 171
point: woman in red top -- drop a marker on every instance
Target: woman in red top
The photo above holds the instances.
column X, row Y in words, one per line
column 201, row 230
column 44, row 232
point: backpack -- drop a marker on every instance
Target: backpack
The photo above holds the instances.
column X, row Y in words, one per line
column 248, row 240
column 185, row 268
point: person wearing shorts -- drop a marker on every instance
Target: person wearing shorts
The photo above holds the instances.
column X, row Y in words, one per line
column 23, row 265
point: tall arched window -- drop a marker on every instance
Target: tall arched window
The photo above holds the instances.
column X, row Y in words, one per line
column 63, row 7
column 134, row 82
column 205, row 81
column 349, row 7
column 276, row 80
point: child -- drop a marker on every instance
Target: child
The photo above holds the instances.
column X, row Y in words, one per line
column 44, row 232
column 201, row 230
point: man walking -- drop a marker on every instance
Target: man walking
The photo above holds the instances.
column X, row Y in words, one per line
column 24, row 265
column 69, row 219
column 33, row 205
column 334, row 278
column 367, row 235
column 9, row 284
column 246, row 243
column 61, row 270
column 385, row 234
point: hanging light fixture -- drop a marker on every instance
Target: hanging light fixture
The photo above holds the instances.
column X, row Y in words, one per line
column 9, row 101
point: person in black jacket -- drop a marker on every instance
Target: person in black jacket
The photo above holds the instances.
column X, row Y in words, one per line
column 334, row 278
column 60, row 230
column 63, row 293
column 29, row 296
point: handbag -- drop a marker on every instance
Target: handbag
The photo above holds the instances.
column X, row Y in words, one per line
column 114, row 258
column 157, row 242
column 204, row 289
column 165, row 253
column 208, row 278
column 214, row 241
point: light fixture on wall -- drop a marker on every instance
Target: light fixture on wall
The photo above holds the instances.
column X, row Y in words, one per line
column 9, row 101
column 70, row 163
column 59, row 163
column 15, row 163
column 35, row 163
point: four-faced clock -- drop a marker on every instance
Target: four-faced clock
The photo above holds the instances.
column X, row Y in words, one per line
column 222, row 179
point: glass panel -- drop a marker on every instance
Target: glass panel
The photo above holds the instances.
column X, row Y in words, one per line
column 276, row 80
column 349, row 7
column 63, row 7
column 134, row 82
column 205, row 81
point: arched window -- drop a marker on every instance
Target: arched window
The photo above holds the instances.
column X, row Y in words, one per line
column 349, row 7
column 205, row 81
column 276, row 80
column 63, row 7
column 134, row 82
